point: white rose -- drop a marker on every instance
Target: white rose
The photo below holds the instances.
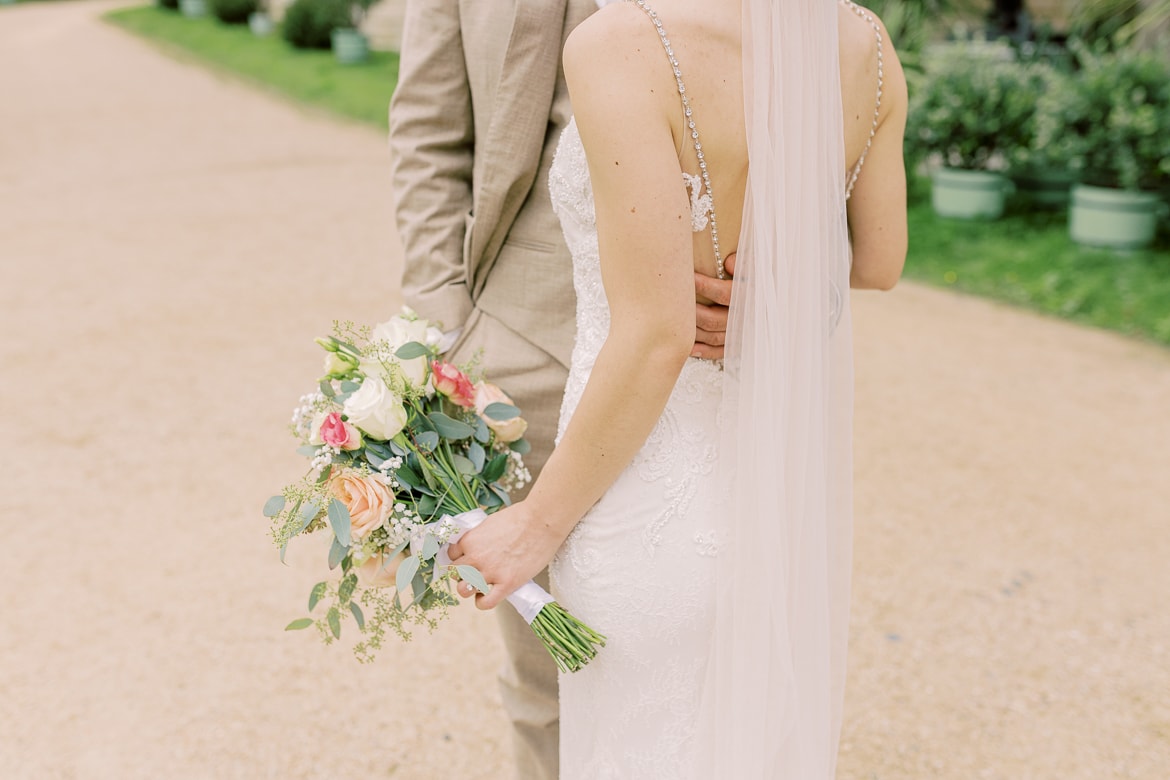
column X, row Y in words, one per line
column 376, row 410
column 397, row 331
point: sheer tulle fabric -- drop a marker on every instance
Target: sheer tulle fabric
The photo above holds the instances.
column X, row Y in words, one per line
column 775, row 682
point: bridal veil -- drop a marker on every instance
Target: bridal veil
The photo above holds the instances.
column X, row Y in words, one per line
column 774, row 690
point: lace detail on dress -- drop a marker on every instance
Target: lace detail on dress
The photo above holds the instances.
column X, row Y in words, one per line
column 701, row 203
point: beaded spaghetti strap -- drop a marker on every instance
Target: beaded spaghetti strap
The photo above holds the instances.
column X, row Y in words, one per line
column 868, row 17
column 686, row 102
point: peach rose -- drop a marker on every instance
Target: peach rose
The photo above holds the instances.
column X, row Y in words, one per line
column 375, row 572
column 453, row 383
column 367, row 498
column 507, row 431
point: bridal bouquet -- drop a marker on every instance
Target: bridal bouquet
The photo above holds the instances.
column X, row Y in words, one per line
column 406, row 453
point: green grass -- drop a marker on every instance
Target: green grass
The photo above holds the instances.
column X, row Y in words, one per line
column 360, row 92
column 1027, row 258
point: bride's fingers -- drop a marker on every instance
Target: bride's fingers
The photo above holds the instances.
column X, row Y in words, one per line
column 454, row 551
column 465, row 589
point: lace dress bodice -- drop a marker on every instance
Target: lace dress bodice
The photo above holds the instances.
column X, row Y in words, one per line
column 572, row 200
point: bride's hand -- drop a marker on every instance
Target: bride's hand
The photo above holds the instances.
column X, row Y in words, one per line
column 509, row 548
column 711, row 318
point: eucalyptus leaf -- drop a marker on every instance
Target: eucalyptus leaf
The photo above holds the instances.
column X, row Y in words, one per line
column 501, row 411
column 430, row 547
column 406, row 572
column 316, row 594
column 427, row 440
column 340, row 521
column 273, row 506
column 310, row 510
column 341, row 398
column 409, row 477
column 324, row 475
column 374, row 460
column 357, row 614
column 349, row 386
column 464, row 465
column 495, row 468
column 426, row 505
column 482, row 433
column 299, row 624
column 521, row 446
column 283, row 550
column 308, row 450
column 398, row 550
column 336, row 552
column 488, row 499
column 327, row 388
column 381, row 450
column 503, row 494
column 418, row 586
column 396, row 448
column 471, row 575
column 477, row 456
column 346, row 588
column 450, row 428
column 411, row 350
column 334, row 619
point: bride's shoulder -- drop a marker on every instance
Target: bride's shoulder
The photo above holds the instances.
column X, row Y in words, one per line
column 616, row 51
column 614, row 34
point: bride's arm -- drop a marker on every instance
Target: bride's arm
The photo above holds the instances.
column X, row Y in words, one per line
column 643, row 220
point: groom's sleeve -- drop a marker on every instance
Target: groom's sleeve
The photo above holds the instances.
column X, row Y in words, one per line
column 432, row 142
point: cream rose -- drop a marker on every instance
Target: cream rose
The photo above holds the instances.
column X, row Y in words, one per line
column 367, row 498
column 506, row 431
column 373, row 408
column 395, row 332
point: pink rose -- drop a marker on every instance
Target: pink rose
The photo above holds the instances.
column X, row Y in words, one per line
column 367, row 498
column 506, row 431
column 337, row 433
column 377, row 572
column 453, row 383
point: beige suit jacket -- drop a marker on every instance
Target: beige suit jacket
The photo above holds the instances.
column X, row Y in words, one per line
column 474, row 122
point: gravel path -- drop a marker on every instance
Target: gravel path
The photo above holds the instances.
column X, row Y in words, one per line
column 171, row 241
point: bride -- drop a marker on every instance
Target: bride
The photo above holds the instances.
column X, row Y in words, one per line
column 698, row 513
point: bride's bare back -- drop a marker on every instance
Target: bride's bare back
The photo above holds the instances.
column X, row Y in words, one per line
column 705, row 38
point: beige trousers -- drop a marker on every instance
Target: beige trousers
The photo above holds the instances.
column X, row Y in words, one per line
column 528, row 680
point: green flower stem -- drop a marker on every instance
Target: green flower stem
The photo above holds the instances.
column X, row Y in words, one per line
column 571, row 643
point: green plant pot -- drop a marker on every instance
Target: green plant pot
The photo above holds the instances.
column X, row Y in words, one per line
column 1045, row 189
column 968, row 194
column 349, row 46
column 193, row 8
column 1120, row 219
column 260, row 23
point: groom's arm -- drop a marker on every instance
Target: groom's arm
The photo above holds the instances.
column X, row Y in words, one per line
column 432, row 141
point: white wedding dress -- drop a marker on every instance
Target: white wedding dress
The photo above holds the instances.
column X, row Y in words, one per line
column 640, row 567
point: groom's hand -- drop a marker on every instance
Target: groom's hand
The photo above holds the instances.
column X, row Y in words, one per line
column 711, row 319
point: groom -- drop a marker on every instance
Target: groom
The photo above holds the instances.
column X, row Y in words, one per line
column 474, row 123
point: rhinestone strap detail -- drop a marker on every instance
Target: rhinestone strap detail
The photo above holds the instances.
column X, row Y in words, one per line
column 686, row 101
column 868, row 17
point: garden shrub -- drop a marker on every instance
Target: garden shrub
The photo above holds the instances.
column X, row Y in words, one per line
column 233, row 11
column 308, row 24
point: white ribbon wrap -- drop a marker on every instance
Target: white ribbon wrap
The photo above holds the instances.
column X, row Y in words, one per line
column 528, row 599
